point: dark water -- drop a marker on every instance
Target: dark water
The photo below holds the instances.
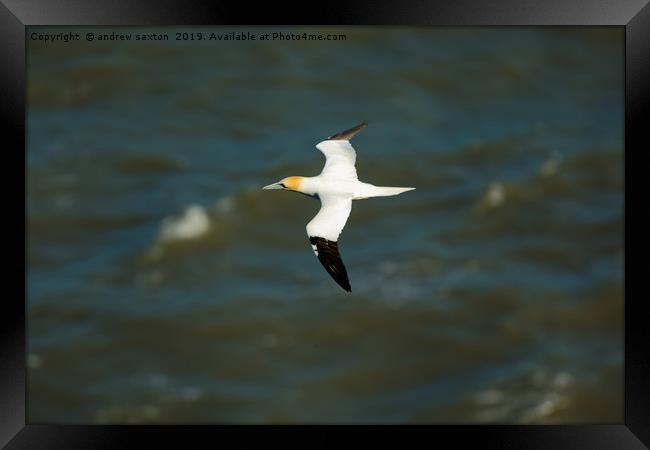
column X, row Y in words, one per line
column 165, row 286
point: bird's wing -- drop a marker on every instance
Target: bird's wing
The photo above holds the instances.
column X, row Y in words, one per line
column 324, row 230
column 340, row 155
column 340, row 159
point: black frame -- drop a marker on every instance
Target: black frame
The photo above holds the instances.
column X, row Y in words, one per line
column 633, row 15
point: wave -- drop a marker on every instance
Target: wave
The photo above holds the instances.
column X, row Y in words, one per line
column 194, row 223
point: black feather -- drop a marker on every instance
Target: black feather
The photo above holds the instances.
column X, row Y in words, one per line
column 328, row 255
column 348, row 134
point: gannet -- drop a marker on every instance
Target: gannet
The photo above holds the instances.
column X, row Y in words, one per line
column 336, row 186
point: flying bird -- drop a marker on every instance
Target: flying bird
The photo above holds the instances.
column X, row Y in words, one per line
column 336, row 186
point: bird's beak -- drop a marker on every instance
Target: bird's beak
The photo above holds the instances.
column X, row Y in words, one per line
column 274, row 186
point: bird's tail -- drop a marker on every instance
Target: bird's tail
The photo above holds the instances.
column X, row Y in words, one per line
column 384, row 191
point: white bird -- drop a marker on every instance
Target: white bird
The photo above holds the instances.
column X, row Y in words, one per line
column 336, row 186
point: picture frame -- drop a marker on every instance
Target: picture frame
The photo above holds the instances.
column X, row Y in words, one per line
column 16, row 15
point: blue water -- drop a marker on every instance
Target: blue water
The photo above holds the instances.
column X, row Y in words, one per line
column 492, row 293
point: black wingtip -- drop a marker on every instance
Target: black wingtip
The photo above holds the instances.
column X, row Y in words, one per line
column 348, row 134
column 344, row 284
column 328, row 255
column 346, row 287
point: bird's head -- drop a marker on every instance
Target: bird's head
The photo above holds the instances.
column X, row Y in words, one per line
column 289, row 183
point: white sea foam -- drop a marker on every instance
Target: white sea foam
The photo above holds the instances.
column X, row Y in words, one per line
column 562, row 380
column 542, row 398
column 496, row 414
column 495, row 195
column 490, row 397
column 194, row 222
column 551, row 166
column 546, row 407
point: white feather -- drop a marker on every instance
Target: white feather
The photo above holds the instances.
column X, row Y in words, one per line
column 331, row 218
column 340, row 159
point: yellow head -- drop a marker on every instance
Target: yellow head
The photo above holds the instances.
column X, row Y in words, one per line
column 289, row 183
column 292, row 183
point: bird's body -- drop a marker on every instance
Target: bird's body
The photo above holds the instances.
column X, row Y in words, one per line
column 321, row 185
column 336, row 186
